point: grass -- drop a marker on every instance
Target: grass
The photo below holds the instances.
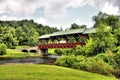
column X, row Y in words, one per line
column 12, row 53
column 19, row 47
column 51, row 51
column 46, row 72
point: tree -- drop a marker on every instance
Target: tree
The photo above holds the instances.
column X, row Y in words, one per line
column 8, row 37
column 32, row 37
column 109, row 20
column 3, row 49
column 99, row 18
column 21, row 36
column 14, row 33
column 103, row 39
column 117, row 36
column 75, row 26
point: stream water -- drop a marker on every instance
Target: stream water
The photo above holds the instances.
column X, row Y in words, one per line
column 37, row 60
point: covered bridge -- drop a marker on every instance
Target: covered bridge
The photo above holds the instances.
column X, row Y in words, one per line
column 64, row 39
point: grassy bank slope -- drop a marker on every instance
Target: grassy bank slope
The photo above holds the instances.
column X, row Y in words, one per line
column 45, row 72
column 12, row 53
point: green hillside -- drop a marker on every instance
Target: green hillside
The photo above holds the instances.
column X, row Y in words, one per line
column 46, row 72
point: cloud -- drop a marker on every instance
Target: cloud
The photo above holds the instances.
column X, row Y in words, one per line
column 116, row 3
column 56, row 8
column 77, row 3
column 41, row 21
column 9, row 18
column 19, row 8
column 110, row 9
column 107, row 6
column 81, row 22
column 4, row 18
column 25, row 8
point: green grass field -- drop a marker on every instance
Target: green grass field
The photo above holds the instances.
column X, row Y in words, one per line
column 46, row 72
column 11, row 53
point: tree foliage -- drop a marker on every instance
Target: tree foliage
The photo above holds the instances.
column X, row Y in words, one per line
column 103, row 39
column 76, row 26
column 110, row 20
column 3, row 49
column 24, row 32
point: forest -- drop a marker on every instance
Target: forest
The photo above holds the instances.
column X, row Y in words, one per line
column 24, row 32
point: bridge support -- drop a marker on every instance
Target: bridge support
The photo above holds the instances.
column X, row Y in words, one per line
column 43, row 52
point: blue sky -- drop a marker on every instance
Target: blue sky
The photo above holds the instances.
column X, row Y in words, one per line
column 57, row 13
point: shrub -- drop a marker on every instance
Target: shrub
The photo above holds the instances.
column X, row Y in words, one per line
column 116, row 72
column 3, row 49
column 108, row 58
column 103, row 56
column 116, row 49
column 80, row 63
column 67, row 51
column 90, row 64
column 79, row 50
column 58, row 51
column 98, row 66
column 66, row 61
column 117, row 60
column 61, row 61
column 72, row 61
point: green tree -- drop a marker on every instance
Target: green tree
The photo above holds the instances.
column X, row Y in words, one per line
column 33, row 37
column 117, row 36
column 3, row 49
column 103, row 39
column 75, row 26
column 109, row 20
column 9, row 37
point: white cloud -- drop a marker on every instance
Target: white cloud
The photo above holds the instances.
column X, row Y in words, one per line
column 81, row 22
column 6, row 18
column 45, row 22
column 77, row 3
column 28, row 7
column 19, row 8
column 53, row 7
column 110, row 9
column 41, row 21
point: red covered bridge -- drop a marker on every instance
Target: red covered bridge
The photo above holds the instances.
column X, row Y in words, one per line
column 64, row 39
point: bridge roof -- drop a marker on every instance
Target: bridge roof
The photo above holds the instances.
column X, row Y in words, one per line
column 45, row 36
column 89, row 30
column 74, row 31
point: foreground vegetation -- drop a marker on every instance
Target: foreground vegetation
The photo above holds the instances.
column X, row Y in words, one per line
column 102, row 48
column 45, row 72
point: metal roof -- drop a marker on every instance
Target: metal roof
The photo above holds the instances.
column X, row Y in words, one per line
column 89, row 30
column 45, row 36
column 74, row 31
column 68, row 32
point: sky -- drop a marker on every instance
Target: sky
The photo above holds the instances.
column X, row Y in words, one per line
column 57, row 13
